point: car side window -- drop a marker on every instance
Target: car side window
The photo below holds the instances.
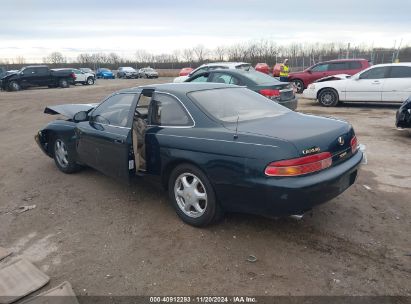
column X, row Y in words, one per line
column 400, row 72
column 375, row 73
column 200, row 78
column 168, row 111
column 41, row 71
column 338, row 66
column 29, row 71
column 114, row 110
column 199, row 71
column 320, row 68
column 225, row 78
column 354, row 65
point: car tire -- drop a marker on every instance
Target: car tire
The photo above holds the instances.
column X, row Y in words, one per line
column 90, row 81
column 63, row 83
column 299, row 85
column 328, row 97
column 14, row 86
column 62, row 157
column 193, row 197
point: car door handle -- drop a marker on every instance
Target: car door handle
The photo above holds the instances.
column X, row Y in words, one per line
column 375, row 82
column 118, row 141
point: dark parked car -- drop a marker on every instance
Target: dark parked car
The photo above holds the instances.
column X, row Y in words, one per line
column 215, row 147
column 37, row 75
column 281, row 92
column 127, row 72
column 328, row 68
column 403, row 117
column 147, row 73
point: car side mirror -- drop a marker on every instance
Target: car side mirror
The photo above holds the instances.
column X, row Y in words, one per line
column 80, row 116
column 309, row 72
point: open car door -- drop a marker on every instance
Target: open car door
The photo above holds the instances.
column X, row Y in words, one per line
column 105, row 141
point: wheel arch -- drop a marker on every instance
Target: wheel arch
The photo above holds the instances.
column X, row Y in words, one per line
column 170, row 166
column 50, row 134
column 328, row 88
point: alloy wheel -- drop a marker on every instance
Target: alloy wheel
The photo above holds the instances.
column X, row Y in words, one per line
column 61, row 153
column 191, row 195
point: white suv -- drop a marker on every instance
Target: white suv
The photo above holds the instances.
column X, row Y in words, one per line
column 214, row 66
column 83, row 77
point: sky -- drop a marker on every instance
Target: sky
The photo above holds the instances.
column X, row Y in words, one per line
column 35, row 28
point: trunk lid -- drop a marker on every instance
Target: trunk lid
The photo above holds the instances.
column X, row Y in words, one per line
column 308, row 133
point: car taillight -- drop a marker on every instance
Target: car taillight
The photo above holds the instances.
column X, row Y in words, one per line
column 354, row 144
column 72, row 75
column 299, row 166
column 270, row 93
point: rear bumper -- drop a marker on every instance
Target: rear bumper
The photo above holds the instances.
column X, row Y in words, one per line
column 291, row 104
column 270, row 196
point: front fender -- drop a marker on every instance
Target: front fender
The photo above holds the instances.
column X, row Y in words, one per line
column 57, row 129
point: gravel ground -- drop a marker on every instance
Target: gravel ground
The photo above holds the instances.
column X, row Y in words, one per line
column 108, row 238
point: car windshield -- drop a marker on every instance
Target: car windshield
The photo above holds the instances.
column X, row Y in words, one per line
column 230, row 104
column 260, row 78
column 104, row 70
column 245, row 67
column 149, row 70
column 130, row 69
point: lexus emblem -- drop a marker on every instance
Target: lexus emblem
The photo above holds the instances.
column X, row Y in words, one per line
column 341, row 141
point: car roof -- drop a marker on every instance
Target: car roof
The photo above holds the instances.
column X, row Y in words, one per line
column 36, row 66
column 226, row 64
column 392, row 64
column 180, row 88
column 344, row 60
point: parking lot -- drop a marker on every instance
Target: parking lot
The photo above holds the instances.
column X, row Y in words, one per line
column 108, row 238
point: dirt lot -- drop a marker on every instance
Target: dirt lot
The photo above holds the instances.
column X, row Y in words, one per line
column 108, row 238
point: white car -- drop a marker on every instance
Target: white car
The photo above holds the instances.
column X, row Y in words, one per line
column 379, row 83
column 83, row 77
column 214, row 66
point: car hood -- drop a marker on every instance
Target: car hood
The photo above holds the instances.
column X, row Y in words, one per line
column 302, row 130
column 8, row 75
column 69, row 110
column 334, row 77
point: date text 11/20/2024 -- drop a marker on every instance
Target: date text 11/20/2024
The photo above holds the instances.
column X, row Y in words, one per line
column 203, row 299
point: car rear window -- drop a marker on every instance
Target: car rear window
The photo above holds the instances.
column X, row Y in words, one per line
column 245, row 67
column 260, row 78
column 232, row 104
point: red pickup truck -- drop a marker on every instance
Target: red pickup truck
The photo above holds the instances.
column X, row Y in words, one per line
column 327, row 68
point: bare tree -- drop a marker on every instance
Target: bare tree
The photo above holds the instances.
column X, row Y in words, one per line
column 55, row 58
column 188, row 55
column 143, row 56
column 114, row 58
column 200, row 52
column 19, row 60
column 220, row 53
